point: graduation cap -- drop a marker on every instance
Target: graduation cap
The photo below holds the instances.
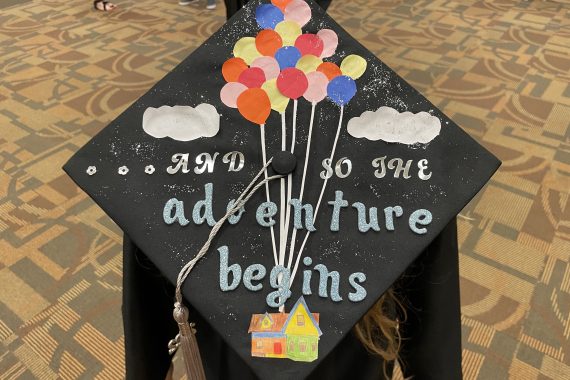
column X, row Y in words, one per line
column 296, row 172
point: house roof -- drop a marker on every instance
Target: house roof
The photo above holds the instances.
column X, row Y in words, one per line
column 311, row 315
column 280, row 320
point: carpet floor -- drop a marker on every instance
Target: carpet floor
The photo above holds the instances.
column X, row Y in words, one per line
column 500, row 69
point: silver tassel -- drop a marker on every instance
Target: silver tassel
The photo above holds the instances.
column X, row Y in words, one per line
column 186, row 341
column 186, row 337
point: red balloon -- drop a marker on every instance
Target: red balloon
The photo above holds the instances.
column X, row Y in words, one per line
column 254, row 105
column 292, row 83
column 252, row 77
column 310, row 44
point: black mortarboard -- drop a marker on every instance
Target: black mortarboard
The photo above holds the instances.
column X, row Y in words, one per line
column 167, row 169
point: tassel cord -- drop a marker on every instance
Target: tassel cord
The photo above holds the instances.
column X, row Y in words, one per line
column 241, row 201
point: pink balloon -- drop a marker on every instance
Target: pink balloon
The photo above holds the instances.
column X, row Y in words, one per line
column 298, row 11
column 309, row 44
column 269, row 65
column 330, row 41
column 230, row 92
column 292, row 83
column 317, row 88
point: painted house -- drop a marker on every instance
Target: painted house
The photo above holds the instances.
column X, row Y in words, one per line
column 294, row 335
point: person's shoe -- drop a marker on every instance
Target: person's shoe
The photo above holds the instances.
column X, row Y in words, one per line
column 104, row 6
column 211, row 6
column 186, row 2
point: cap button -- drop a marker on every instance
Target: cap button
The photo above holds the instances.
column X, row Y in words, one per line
column 284, row 162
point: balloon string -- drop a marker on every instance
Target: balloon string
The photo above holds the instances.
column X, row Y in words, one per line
column 338, row 129
column 286, row 204
column 302, row 190
column 264, row 155
column 282, row 239
column 290, row 177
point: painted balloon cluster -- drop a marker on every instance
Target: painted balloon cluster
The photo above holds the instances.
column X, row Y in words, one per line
column 281, row 64
column 269, row 70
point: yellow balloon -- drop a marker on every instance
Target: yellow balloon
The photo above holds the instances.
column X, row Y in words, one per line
column 308, row 63
column 353, row 66
column 289, row 31
column 278, row 101
column 246, row 50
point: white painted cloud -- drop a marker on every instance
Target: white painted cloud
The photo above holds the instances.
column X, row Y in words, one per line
column 182, row 123
column 389, row 125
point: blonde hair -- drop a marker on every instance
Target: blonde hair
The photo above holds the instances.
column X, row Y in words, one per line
column 378, row 330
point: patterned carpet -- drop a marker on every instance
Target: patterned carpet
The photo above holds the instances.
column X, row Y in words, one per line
column 500, row 69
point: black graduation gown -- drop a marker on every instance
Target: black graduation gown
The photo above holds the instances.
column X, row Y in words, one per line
column 431, row 349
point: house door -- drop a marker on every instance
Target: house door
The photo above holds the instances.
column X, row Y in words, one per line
column 277, row 349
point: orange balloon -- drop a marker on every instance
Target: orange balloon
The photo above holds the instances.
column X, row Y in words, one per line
column 268, row 42
column 329, row 69
column 281, row 4
column 232, row 68
column 254, row 105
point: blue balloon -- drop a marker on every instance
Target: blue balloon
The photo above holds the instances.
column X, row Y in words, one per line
column 341, row 89
column 268, row 15
column 287, row 56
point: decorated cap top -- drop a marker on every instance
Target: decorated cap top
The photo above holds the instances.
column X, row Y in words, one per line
column 379, row 172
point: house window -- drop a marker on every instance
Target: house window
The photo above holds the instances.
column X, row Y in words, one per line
column 259, row 344
column 291, row 346
column 314, row 345
column 300, row 320
column 303, row 346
